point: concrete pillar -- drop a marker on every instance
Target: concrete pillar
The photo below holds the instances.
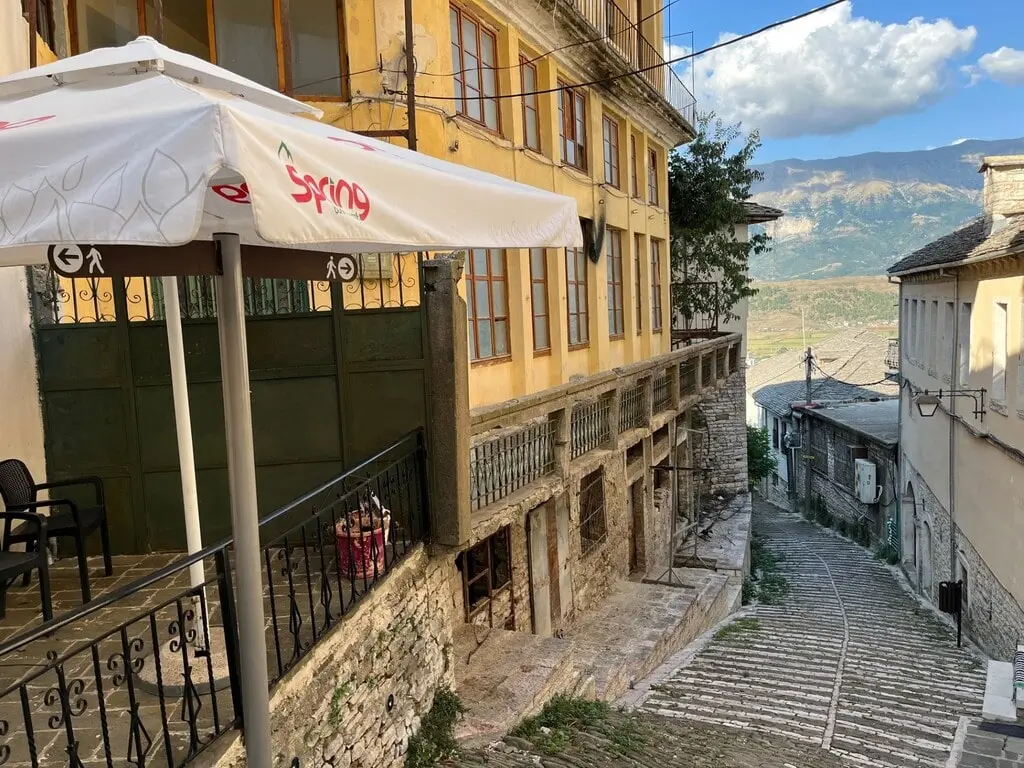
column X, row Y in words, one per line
column 520, row 318
column 614, row 404
column 648, row 385
column 448, row 401
column 673, row 386
column 563, row 450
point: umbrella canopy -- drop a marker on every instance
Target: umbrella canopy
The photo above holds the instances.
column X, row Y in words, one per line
column 122, row 146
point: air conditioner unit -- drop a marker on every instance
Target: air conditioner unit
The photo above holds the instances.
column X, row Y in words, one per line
column 868, row 491
column 792, row 440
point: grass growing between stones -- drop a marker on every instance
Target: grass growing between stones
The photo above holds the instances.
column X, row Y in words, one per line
column 738, row 627
column 553, row 728
column 765, row 584
column 435, row 740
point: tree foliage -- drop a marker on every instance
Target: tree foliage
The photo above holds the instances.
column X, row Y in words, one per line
column 760, row 461
column 708, row 184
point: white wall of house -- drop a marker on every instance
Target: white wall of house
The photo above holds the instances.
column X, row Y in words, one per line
column 22, row 432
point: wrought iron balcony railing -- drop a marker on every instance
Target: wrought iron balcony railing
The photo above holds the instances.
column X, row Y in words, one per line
column 640, row 53
column 125, row 679
column 701, row 320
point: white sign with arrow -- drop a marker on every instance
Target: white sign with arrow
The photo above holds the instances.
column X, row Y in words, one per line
column 70, row 260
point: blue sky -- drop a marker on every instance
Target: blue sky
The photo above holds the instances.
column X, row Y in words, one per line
column 869, row 75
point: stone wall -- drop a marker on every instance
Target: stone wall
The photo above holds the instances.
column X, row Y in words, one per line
column 840, row 500
column 725, row 416
column 363, row 689
column 1004, row 185
column 993, row 618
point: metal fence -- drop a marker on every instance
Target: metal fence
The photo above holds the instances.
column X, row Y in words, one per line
column 504, row 464
column 688, row 377
column 661, row 393
column 126, row 678
column 632, row 413
column 589, row 428
column 639, row 53
column 707, row 370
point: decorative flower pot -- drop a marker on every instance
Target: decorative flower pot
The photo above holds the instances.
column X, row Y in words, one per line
column 361, row 538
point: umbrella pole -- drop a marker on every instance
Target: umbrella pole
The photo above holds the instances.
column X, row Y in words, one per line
column 252, row 644
column 186, row 455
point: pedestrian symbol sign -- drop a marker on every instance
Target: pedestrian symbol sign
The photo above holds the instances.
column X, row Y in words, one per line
column 75, row 260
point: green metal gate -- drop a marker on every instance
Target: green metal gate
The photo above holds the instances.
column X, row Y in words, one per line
column 330, row 386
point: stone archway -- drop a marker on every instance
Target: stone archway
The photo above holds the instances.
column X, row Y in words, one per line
column 908, row 526
column 924, row 561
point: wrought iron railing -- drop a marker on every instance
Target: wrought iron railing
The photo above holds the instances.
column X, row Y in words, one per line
column 707, row 368
column 688, row 377
column 126, row 678
column 722, row 363
column 502, row 465
column 661, row 395
column 632, row 413
column 639, row 53
column 589, row 428
column 700, row 317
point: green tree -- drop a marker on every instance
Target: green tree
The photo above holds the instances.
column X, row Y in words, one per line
column 708, row 184
column 760, row 461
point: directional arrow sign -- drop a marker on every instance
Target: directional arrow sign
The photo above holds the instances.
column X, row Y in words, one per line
column 347, row 268
column 66, row 260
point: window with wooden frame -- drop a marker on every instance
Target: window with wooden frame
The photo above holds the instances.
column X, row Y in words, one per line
column 655, row 285
column 474, row 58
column 775, row 433
column 610, row 128
column 616, row 313
column 572, row 114
column 487, row 303
column 291, row 47
column 638, row 249
column 486, row 577
column 652, row 177
column 576, row 290
column 531, row 108
column 593, row 527
column 539, row 299
column 634, row 175
column 44, row 20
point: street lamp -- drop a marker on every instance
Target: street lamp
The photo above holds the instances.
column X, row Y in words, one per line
column 928, row 402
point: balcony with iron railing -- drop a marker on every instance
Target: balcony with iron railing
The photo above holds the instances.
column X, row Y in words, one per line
column 640, row 54
column 701, row 319
column 521, row 443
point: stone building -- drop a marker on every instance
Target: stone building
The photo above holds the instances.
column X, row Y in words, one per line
column 848, row 367
column 559, row 423
column 840, row 435
column 962, row 411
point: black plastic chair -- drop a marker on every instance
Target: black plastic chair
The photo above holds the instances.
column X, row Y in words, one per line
column 66, row 520
column 15, row 564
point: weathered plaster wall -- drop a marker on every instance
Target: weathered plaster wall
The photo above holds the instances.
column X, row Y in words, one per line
column 362, row 691
column 22, row 433
column 994, row 619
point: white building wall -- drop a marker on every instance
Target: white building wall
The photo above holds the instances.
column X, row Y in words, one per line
column 22, row 432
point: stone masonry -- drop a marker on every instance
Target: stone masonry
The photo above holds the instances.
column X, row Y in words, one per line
column 363, row 689
column 992, row 618
column 725, row 418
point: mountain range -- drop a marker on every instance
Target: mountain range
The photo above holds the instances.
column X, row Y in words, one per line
column 857, row 215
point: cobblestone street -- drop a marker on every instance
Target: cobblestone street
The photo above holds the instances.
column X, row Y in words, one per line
column 848, row 661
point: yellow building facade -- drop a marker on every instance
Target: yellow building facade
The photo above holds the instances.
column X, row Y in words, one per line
column 536, row 319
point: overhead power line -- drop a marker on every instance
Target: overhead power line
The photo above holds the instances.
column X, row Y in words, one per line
column 659, row 65
column 849, row 383
column 380, row 67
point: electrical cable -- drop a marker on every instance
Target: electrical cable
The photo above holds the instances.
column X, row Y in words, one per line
column 380, row 67
column 848, row 383
column 669, row 63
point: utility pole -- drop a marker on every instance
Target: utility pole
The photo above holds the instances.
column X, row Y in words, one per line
column 808, row 361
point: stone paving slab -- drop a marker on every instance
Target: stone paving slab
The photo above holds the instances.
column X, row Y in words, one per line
column 849, row 661
column 984, row 749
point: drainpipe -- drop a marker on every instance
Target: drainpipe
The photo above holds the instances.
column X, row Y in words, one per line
column 954, row 385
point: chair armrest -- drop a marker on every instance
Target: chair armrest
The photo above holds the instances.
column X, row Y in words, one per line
column 53, row 503
column 39, row 521
column 94, row 480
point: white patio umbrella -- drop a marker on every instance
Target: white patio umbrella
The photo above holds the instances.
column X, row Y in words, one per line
column 144, row 145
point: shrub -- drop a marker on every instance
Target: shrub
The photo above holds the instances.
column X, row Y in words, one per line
column 760, row 461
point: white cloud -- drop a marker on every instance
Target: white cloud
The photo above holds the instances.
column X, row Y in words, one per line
column 671, row 51
column 830, row 73
column 959, row 141
column 1005, row 66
